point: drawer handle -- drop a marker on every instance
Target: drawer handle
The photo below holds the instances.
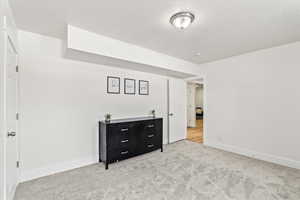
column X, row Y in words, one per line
column 124, row 152
column 150, row 145
column 150, row 136
column 151, row 126
column 124, row 129
column 124, row 141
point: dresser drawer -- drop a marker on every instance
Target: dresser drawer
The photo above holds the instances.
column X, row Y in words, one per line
column 123, row 128
column 151, row 146
column 151, row 133
column 149, row 128
column 119, row 136
column 119, row 154
column 149, row 125
column 124, row 142
column 119, row 142
column 151, row 139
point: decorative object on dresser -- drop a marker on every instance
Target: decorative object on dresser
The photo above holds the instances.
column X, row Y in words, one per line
column 153, row 113
column 124, row 138
column 143, row 87
column 129, row 86
column 113, row 85
column 107, row 117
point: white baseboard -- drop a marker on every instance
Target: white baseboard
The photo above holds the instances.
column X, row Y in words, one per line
column 12, row 193
column 27, row 175
column 260, row 156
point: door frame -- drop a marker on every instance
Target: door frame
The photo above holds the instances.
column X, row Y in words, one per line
column 191, row 89
column 205, row 107
column 168, row 111
column 8, row 40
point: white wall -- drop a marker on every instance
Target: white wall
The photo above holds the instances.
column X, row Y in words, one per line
column 62, row 101
column 253, row 104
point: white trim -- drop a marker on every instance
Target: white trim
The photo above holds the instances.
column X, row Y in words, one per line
column 205, row 109
column 56, row 168
column 11, row 196
column 168, row 110
column 258, row 155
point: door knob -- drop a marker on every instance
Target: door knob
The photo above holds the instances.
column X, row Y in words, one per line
column 171, row 114
column 11, row 134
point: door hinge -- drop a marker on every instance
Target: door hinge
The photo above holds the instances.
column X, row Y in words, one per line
column 17, row 68
column 17, row 116
column 18, row 164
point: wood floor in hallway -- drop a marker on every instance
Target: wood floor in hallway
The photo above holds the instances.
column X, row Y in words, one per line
column 196, row 134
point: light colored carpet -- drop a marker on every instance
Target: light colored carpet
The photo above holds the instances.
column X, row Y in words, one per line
column 185, row 171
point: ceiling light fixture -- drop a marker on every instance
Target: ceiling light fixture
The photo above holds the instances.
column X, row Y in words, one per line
column 182, row 20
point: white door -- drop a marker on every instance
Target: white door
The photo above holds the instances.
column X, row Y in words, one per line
column 177, row 110
column 11, row 121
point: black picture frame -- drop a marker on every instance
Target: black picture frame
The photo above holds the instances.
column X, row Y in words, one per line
column 141, row 92
column 109, row 86
column 125, row 86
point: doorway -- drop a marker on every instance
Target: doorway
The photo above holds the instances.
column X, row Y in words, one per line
column 195, row 111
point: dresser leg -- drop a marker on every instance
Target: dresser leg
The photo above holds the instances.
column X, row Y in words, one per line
column 161, row 149
column 106, row 165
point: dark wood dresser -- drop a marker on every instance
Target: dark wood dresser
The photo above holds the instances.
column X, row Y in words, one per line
column 124, row 138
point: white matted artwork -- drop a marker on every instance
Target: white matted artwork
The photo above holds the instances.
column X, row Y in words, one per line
column 143, row 87
column 113, row 85
column 129, row 86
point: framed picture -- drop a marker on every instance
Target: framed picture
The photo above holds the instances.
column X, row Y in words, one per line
column 129, row 86
column 143, row 87
column 113, row 85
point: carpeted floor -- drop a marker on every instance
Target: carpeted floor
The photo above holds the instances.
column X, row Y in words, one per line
column 185, row 171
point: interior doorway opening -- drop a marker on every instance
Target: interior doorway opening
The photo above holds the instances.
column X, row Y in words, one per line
column 195, row 111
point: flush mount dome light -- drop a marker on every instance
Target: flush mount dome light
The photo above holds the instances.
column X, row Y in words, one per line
column 182, row 20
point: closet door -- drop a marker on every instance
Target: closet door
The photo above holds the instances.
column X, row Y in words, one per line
column 177, row 90
column 12, row 171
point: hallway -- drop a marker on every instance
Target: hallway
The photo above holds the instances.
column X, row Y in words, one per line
column 196, row 134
